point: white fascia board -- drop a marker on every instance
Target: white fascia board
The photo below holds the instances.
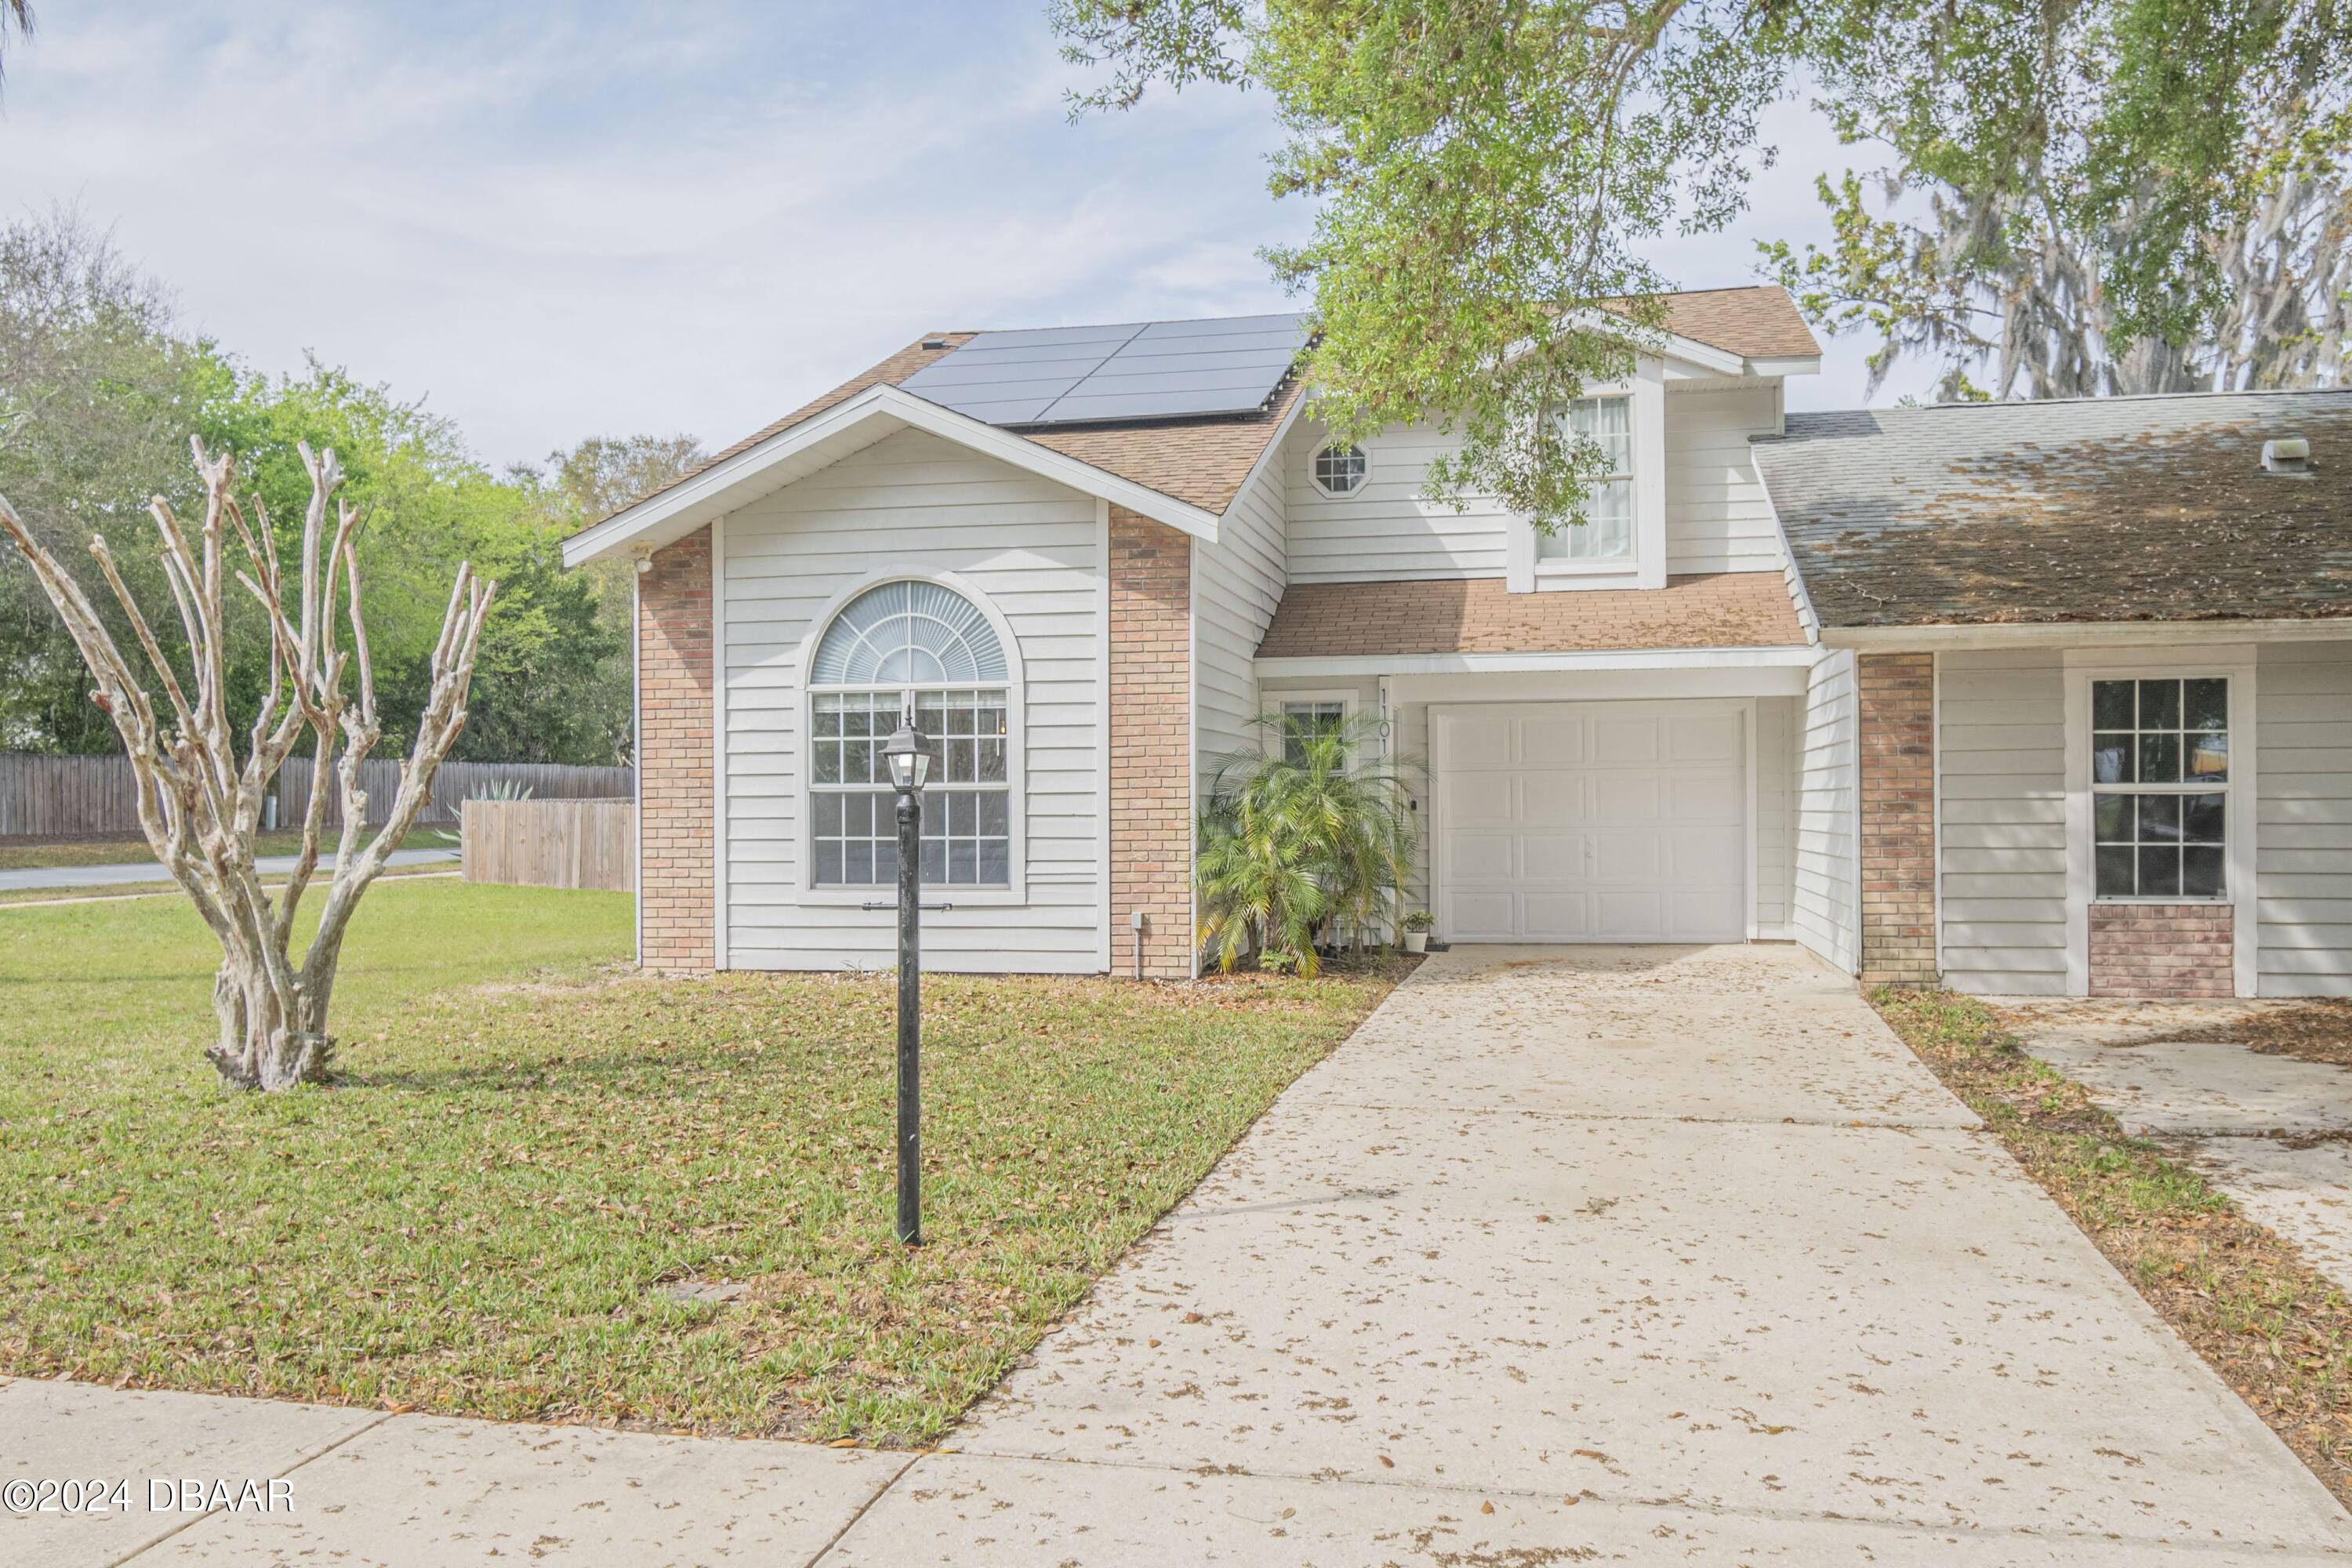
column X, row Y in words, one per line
column 1651, row 343
column 1784, row 365
column 1706, row 356
column 683, row 507
column 1364, row 663
column 2082, row 633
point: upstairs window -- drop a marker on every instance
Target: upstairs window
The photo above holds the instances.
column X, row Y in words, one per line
column 2160, row 787
column 1341, row 471
column 1607, row 532
column 923, row 649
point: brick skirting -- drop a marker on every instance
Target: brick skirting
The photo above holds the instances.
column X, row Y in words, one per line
column 1150, row 745
column 2163, row 950
column 1898, row 817
column 675, row 801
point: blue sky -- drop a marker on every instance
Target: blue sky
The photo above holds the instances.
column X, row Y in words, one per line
column 556, row 220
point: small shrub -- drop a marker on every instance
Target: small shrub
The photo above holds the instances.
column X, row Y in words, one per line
column 1302, row 841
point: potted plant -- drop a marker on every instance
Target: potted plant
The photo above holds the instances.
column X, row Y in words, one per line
column 1416, row 930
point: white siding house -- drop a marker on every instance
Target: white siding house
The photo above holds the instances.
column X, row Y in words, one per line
column 1906, row 685
column 1022, row 548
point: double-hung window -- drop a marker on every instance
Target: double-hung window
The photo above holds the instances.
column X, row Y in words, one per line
column 1607, row 532
column 923, row 650
column 2160, row 787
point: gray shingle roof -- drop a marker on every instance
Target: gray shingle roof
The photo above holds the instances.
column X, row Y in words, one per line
column 2119, row 509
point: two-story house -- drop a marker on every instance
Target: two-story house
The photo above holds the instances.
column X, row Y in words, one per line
column 2048, row 698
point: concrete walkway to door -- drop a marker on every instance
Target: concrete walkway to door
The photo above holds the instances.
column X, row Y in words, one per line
column 1645, row 1254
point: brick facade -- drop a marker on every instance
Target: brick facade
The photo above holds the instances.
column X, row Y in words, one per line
column 2163, row 950
column 675, row 804
column 1898, row 817
column 1150, row 745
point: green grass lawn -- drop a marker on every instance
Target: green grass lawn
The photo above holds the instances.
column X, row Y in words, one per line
column 523, row 1146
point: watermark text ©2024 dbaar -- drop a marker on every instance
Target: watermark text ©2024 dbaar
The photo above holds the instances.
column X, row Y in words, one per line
column 160, row 1494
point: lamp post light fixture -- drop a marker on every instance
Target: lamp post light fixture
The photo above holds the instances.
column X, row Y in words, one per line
column 908, row 754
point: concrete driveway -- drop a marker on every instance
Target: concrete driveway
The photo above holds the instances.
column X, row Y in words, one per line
column 1654, row 1254
column 1567, row 1256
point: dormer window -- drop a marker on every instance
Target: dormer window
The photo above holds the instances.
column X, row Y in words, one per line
column 1341, row 471
column 1607, row 532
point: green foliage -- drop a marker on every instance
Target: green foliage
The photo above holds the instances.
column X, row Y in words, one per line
column 97, row 401
column 1487, row 173
column 1310, row 836
column 98, row 396
column 2136, row 195
column 604, row 473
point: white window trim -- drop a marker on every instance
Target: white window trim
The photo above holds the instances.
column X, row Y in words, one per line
column 1270, row 738
column 1316, row 480
column 1645, row 391
column 1612, row 566
column 2234, row 663
column 1016, row 773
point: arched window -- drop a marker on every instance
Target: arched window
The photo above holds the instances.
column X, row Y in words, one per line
column 897, row 649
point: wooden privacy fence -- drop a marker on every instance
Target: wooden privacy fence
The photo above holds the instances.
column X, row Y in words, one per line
column 98, row 797
column 67, row 798
column 453, row 784
column 551, row 843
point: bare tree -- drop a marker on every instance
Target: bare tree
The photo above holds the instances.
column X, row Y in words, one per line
column 200, row 806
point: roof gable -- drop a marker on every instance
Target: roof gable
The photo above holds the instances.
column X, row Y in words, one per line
column 749, row 470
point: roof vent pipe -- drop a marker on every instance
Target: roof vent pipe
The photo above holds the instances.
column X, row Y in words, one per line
column 2288, row 455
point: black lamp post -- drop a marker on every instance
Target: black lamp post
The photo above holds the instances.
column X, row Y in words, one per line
column 909, row 753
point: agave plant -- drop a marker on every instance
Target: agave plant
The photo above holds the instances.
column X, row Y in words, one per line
column 1302, row 839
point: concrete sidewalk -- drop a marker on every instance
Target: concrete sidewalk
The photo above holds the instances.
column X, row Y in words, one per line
column 152, row 871
column 1567, row 1256
column 2272, row 1131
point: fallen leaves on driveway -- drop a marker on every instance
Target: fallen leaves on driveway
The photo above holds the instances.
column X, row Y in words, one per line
column 2279, row 1333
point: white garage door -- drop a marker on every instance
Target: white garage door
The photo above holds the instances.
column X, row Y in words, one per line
column 1591, row 822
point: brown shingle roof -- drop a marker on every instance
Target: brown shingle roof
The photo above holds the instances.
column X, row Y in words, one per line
column 1760, row 322
column 2113, row 508
column 1479, row 615
column 1202, row 461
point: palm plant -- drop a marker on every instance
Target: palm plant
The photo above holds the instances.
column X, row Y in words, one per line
column 1301, row 839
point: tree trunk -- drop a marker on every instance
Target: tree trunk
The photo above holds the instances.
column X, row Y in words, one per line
column 270, row 1040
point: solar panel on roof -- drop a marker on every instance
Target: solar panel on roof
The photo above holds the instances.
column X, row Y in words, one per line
column 1068, row 375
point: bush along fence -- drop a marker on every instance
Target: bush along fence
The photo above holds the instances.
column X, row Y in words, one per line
column 49, row 797
column 551, row 843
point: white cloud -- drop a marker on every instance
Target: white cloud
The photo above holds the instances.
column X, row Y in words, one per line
column 564, row 220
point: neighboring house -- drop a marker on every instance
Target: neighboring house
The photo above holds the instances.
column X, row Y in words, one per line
column 1087, row 557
